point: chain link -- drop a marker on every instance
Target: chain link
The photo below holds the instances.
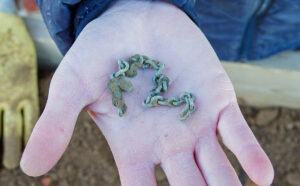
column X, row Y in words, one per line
column 118, row 84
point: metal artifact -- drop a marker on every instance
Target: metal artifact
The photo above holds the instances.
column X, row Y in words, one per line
column 119, row 83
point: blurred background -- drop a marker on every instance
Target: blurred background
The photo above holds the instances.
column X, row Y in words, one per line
column 268, row 92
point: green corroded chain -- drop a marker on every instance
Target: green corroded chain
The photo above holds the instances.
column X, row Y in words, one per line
column 118, row 84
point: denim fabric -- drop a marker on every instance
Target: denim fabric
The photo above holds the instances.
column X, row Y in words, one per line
column 241, row 30
column 66, row 18
column 237, row 29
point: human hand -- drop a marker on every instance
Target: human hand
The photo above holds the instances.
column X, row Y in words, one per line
column 188, row 151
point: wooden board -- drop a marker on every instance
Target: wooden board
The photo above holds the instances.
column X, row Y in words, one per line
column 271, row 82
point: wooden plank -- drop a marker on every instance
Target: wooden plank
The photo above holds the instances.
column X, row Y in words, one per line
column 265, row 84
column 289, row 60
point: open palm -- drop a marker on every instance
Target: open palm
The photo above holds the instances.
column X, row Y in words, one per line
column 188, row 151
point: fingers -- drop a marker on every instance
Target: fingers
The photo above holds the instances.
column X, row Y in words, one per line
column 30, row 112
column 238, row 137
column 12, row 135
column 181, row 169
column 213, row 162
column 137, row 174
column 54, row 128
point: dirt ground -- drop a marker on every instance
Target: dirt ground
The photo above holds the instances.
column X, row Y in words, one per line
column 89, row 162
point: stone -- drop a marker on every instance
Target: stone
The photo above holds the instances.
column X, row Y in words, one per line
column 266, row 116
column 289, row 126
column 46, row 181
column 293, row 179
column 297, row 124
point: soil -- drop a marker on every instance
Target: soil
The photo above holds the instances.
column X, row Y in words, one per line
column 88, row 160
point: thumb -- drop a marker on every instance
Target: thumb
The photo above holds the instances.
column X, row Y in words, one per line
column 54, row 128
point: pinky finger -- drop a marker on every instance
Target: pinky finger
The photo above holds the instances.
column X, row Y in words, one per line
column 238, row 137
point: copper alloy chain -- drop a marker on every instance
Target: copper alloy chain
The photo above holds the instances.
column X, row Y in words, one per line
column 118, row 84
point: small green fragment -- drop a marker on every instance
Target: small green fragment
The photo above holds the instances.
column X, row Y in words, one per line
column 118, row 84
